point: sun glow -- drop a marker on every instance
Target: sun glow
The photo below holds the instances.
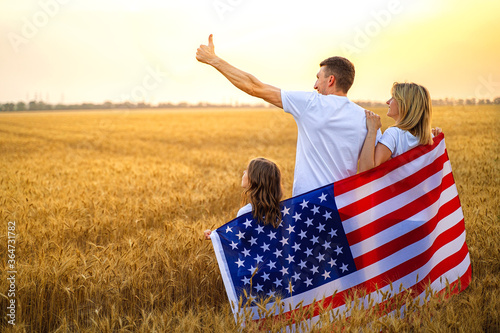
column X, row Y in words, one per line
column 96, row 51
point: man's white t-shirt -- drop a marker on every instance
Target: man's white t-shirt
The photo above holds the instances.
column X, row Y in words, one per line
column 398, row 141
column 331, row 133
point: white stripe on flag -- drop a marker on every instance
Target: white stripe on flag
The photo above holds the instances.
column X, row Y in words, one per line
column 226, row 274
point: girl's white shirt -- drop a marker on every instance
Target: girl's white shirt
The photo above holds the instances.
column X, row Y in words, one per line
column 245, row 209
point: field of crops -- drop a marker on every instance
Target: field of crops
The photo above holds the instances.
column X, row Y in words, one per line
column 109, row 209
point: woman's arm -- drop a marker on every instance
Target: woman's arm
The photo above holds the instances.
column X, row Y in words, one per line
column 367, row 156
column 436, row 131
column 382, row 154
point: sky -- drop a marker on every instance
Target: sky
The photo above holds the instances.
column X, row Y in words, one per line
column 76, row 51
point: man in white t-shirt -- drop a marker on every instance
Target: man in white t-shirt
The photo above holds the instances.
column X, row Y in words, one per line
column 331, row 128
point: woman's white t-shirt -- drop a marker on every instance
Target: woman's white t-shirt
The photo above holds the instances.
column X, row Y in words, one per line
column 398, row 141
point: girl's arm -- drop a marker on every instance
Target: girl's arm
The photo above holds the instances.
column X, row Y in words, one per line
column 367, row 157
column 207, row 233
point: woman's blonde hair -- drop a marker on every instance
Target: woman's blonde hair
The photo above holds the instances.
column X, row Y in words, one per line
column 264, row 191
column 415, row 110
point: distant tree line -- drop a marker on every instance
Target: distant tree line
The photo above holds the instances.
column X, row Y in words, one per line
column 40, row 105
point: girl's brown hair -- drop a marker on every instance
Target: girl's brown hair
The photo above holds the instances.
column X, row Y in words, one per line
column 415, row 110
column 264, row 191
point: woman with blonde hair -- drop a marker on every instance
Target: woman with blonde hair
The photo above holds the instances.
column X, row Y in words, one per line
column 262, row 194
column 411, row 107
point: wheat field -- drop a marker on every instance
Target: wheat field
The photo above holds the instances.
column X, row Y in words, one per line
column 109, row 209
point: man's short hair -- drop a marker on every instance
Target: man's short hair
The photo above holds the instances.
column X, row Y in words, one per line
column 342, row 69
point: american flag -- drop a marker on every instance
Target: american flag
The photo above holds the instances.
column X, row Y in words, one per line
column 400, row 224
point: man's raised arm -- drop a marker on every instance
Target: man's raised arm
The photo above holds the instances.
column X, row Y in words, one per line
column 240, row 79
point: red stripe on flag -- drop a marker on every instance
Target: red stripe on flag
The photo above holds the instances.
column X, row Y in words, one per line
column 462, row 282
column 441, row 268
column 397, row 215
column 355, row 181
column 401, row 242
column 394, row 189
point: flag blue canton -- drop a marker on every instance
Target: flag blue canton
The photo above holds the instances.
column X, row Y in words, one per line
column 307, row 250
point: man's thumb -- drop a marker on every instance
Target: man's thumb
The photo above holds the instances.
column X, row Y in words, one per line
column 211, row 40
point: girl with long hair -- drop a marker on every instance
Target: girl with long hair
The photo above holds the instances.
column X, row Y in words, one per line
column 411, row 107
column 262, row 193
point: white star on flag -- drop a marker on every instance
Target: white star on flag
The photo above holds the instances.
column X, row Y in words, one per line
column 248, row 223
column 246, row 280
column 303, row 234
column 246, row 252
